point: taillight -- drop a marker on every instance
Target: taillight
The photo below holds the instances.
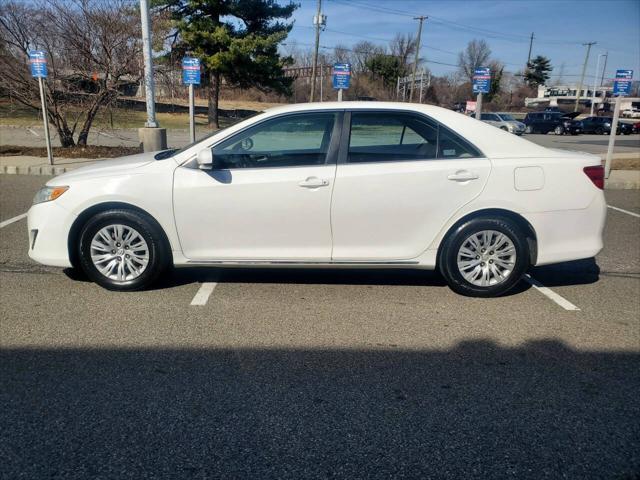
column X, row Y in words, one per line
column 596, row 175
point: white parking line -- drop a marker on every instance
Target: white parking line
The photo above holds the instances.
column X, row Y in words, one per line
column 633, row 214
column 202, row 296
column 550, row 294
column 11, row 220
column 34, row 132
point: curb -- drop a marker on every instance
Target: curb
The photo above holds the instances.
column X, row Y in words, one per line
column 34, row 170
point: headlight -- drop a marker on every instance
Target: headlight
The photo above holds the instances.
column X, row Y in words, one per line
column 46, row 194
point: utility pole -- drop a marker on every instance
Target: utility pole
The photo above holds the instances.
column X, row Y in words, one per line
column 584, row 69
column 606, row 57
column 421, row 18
column 530, row 47
column 317, row 21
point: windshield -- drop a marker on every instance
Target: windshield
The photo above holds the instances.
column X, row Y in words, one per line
column 506, row 117
column 170, row 153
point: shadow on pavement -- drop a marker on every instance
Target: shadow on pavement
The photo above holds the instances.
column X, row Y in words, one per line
column 477, row 410
column 580, row 272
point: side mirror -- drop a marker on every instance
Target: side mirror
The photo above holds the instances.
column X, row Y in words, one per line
column 205, row 159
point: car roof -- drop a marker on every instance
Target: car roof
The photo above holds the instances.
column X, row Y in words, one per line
column 482, row 135
column 490, row 140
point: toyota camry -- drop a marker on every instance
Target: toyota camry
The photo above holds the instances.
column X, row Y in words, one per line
column 348, row 184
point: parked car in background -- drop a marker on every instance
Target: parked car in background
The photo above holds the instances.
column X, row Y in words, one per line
column 635, row 127
column 602, row 126
column 631, row 113
column 333, row 184
column 504, row 121
column 556, row 122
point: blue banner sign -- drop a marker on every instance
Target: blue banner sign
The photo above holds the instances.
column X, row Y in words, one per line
column 341, row 76
column 38, row 62
column 482, row 80
column 191, row 71
column 622, row 83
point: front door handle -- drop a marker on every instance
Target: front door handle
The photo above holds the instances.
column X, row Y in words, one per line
column 463, row 176
column 313, row 182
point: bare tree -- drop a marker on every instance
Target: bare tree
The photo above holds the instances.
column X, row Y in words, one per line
column 341, row 54
column 92, row 47
column 404, row 48
column 475, row 55
column 362, row 52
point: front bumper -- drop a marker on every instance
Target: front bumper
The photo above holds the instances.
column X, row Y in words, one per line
column 48, row 227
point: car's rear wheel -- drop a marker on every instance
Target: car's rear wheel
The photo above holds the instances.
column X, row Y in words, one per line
column 528, row 129
column 599, row 131
column 485, row 257
column 122, row 250
column 559, row 130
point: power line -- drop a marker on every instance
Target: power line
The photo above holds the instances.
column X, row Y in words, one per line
column 452, row 24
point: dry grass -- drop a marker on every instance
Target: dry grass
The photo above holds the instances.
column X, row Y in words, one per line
column 90, row 151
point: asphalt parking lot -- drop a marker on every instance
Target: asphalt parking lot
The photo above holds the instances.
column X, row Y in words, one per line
column 320, row 374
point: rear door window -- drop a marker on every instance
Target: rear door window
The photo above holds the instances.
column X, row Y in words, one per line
column 398, row 136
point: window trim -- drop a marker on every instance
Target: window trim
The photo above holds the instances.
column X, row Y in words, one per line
column 332, row 151
column 343, row 157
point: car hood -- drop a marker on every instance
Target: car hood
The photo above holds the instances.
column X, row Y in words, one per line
column 571, row 115
column 105, row 167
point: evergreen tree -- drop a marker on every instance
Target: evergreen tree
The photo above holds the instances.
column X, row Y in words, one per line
column 236, row 40
column 538, row 71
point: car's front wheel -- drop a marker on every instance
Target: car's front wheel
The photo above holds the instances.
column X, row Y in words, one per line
column 528, row 129
column 485, row 257
column 559, row 130
column 122, row 250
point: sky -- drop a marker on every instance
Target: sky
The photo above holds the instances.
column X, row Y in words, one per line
column 560, row 28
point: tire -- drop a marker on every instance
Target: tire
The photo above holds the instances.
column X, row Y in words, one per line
column 528, row 129
column 504, row 128
column 134, row 262
column 599, row 131
column 453, row 252
column 559, row 130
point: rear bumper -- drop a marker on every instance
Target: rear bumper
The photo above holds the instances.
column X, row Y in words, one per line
column 569, row 234
column 48, row 228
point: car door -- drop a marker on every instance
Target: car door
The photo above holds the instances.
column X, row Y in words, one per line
column 400, row 177
column 270, row 196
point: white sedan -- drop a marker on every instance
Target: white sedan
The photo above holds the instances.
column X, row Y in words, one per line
column 350, row 184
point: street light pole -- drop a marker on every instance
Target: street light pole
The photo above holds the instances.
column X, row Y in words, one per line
column 149, row 85
column 151, row 137
column 584, row 69
column 604, row 69
column 595, row 84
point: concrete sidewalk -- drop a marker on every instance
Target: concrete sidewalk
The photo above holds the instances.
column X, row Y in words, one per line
column 24, row 165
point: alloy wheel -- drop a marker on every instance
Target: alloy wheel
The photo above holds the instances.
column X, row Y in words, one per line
column 486, row 258
column 119, row 252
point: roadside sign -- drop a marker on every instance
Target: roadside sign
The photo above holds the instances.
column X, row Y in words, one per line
column 38, row 62
column 191, row 71
column 482, row 80
column 622, row 83
column 470, row 106
column 341, row 76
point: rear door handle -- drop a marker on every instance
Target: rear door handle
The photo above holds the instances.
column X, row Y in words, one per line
column 463, row 176
column 313, row 182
